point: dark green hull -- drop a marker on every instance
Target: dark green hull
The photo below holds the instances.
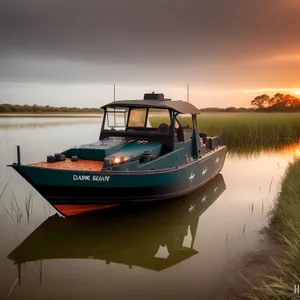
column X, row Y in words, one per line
column 118, row 187
column 129, row 236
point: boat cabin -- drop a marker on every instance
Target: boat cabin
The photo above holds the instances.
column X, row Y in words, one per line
column 154, row 119
column 149, row 134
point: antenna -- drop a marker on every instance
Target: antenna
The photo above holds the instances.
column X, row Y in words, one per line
column 187, row 93
column 115, row 119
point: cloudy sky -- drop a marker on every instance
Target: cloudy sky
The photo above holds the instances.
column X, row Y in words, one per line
column 71, row 52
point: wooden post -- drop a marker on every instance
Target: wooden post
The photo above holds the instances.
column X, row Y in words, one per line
column 18, row 155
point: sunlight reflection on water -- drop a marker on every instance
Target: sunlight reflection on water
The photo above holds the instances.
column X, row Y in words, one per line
column 115, row 250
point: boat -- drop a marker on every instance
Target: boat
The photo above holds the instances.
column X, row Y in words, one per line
column 154, row 237
column 134, row 159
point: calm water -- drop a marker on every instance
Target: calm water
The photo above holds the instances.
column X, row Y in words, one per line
column 176, row 250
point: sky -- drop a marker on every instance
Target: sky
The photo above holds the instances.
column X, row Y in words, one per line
column 71, row 52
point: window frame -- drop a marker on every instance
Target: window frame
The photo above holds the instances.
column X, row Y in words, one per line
column 129, row 115
column 113, row 111
column 159, row 109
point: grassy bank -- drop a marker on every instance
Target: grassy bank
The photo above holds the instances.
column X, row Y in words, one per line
column 254, row 131
column 286, row 222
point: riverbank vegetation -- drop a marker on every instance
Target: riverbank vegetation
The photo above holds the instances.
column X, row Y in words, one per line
column 263, row 103
column 279, row 102
column 248, row 131
column 285, row 222
column 30, row 109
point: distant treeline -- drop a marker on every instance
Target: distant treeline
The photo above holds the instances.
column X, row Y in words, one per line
column 9, row 108
column 279, row 102
column 263, row 103
column 227, row 109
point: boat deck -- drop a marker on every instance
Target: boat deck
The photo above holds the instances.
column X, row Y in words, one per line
column 81, row 165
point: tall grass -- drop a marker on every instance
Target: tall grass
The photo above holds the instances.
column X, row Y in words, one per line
column 248, row 131
column 14, row 210
column 286, row 220
column 29, row 205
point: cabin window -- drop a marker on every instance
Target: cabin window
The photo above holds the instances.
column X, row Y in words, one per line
column 158, row 116
column 185, row 120
column 116, row 118
column 137, row 117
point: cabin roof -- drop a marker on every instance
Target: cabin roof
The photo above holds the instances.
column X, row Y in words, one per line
column 179, row 106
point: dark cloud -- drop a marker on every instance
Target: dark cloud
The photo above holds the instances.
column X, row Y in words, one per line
column 130, row 39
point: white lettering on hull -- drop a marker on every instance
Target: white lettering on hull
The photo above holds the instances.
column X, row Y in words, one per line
column 90, row 178
column 81, row 177
column 101, row 178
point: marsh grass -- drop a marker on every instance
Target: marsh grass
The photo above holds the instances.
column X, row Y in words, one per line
column 248, row 132
column 29, row 205
column 286, row 221
column 4, row 188
column 14, row 210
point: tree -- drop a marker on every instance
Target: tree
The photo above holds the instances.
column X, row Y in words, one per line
column 277, row 100
column 4, row 108
column 290, row 101
column 261, row 101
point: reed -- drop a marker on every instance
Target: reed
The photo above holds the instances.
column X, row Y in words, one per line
column 247, row 132
column 15, row 210
column 286, row 221
column 4, row 188
column 29, row 205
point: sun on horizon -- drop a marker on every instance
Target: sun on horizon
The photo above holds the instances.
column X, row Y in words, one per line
column 297, row 92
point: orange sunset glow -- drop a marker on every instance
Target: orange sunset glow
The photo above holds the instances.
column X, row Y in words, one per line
column 217, row 48
column 150, row 149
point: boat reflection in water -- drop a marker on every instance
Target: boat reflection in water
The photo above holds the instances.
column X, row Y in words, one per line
column 132, row 238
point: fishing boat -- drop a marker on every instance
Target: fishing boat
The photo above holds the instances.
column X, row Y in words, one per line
column 133, row 160
column 154, row 237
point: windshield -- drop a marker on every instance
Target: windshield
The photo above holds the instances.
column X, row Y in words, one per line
column 158, row 116
column 119, row 118
column 185, row 120
column 116, row 118
column 137, row 117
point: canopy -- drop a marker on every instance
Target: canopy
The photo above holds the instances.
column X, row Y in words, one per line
column 179, row 106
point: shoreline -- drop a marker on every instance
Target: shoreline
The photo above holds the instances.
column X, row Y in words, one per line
column 270, row 272
column 52, row 115
column 252, row 271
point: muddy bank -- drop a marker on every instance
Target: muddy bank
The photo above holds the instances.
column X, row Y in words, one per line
column 253, row 268
column 285, row 249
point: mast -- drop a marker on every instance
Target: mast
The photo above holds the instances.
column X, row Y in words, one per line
column 114, row 107
column 187, row 93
